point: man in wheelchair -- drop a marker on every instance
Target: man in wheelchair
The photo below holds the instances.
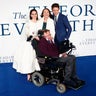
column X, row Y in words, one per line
column 67, row 62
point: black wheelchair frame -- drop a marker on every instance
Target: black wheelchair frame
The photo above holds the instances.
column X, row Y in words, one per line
column 49, row 74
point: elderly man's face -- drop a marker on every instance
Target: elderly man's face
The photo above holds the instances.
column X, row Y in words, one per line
column 47, row 34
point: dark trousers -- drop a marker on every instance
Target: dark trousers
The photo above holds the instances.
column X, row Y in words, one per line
column 67, row 63
column 69, row 66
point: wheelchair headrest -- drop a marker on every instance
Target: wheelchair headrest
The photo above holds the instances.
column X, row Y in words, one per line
column 40, row 33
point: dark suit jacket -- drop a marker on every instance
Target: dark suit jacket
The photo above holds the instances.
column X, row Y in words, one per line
column 62, row 28
column 48, row 49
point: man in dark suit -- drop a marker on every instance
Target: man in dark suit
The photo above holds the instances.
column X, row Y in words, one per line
column 48, row 48
column 62, row 26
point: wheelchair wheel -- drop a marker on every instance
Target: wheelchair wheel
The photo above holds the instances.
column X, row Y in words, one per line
column 61, row 88
column 37, row 79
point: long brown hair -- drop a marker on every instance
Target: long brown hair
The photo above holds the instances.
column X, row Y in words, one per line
column 50, row 15
column 31, row 12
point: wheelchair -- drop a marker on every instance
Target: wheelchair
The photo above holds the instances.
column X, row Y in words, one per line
column 49, row 73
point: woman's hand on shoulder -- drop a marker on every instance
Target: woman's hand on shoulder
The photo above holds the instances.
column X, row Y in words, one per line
column 37, row 38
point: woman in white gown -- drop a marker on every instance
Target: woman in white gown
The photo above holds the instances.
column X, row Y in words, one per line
column 25, row 60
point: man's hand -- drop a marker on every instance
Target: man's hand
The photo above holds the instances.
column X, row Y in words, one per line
column 64, row 55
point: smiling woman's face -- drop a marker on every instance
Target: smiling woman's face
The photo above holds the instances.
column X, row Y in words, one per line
column 34, row 15
column 46, row 13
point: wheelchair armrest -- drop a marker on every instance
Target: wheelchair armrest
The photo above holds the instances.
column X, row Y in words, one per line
column 46, row 59
column 51, row 59
column 54, row 58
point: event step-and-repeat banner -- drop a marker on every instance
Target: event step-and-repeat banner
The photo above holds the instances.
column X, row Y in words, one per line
column 14, row 15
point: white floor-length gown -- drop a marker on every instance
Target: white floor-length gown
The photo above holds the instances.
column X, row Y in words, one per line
column 25, row 60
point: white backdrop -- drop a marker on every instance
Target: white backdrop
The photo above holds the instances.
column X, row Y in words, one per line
column 81, row 14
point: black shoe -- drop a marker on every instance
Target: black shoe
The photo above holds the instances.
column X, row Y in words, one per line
column 79, row 82
column 71, row 84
